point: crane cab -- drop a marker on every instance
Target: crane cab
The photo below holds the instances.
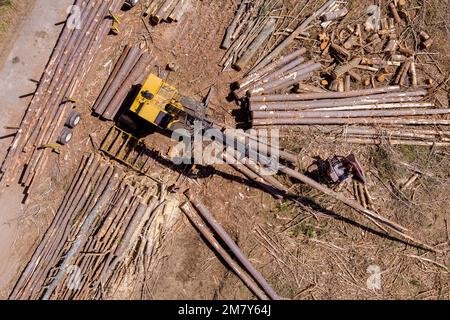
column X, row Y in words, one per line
column 158, row 103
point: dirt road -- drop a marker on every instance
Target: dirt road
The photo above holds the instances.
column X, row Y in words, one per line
column 23, row 66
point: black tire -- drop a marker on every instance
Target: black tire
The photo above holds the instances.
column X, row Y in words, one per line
column 73, row 119
column 65, row 136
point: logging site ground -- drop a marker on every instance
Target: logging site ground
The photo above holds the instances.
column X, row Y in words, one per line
column 307, row 247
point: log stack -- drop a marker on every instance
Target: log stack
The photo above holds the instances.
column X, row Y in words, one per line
column 248, row 32
column 94, row 232
column 51, row 103
column 324, row 107
column 132, row 68
column 372, row 78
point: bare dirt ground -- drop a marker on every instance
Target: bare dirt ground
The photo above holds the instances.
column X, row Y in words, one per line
column 311, row 249
column 28, row 35
column 13, row 14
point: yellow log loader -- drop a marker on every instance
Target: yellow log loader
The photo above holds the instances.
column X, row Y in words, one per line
column 153, row 106
column 161, row 105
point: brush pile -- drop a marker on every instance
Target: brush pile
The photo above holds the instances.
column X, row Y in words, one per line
column 261, row 30
column 101, row 225
column 52, row 103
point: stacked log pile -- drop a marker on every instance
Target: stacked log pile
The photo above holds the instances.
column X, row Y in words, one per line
column 250, row 30
column 95, row 232
column 167, row 10
column 337, row 108
column 131, row 69
column 51, row 103
column 372, row 79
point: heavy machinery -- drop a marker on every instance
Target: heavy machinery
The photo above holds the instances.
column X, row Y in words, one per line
column 155, row 105
column 161, row 105
column 337, row 169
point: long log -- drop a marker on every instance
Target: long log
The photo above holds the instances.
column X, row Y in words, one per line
column 233, row 246
column 138, row 70
column 347, row 121
column 394, row 132
column 295, row 76
column 117, row 82
column 208, row 235
column 398, row 141
column 347, row 114
column 401, row 105
column 286, row 69
column 390, row 103
column 111, row 78
column 269, row 68
column 303, row 105
column 268, row 176
column 324, row 95
column 249, row 138
column 232, row 161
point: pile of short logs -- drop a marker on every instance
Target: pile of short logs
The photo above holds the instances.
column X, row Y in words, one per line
column 52, row 101
column 167, row 10
column 374, row 52
column 131, row 69
column 96, row 231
